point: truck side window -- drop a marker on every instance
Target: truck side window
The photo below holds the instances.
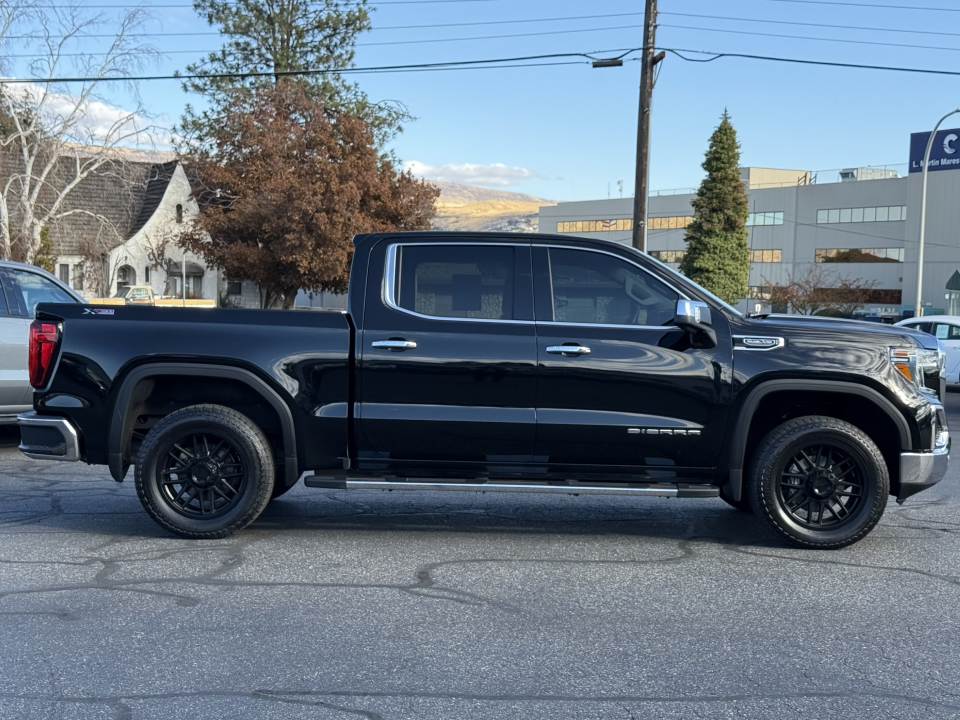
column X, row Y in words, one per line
column 457, row 281
column 591, row 287
column 37, row 289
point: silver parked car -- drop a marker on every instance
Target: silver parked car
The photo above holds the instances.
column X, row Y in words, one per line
column 23, row 286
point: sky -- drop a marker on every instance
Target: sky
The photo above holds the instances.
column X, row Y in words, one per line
column 568, row 132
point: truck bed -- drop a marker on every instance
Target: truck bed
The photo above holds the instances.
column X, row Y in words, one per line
column 303, row 357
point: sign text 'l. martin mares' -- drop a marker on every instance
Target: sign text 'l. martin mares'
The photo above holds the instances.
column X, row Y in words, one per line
column 944, row 155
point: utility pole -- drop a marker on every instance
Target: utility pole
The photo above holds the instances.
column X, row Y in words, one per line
column 648, row 62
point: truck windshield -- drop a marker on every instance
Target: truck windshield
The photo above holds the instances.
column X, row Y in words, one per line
column 123, row 292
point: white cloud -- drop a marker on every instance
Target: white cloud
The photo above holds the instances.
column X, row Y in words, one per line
column 97, row 121
column 496, row 175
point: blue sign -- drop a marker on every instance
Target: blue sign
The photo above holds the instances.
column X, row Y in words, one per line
column 944, row 155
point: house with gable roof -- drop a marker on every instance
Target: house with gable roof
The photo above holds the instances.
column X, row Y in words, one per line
column 133, row 215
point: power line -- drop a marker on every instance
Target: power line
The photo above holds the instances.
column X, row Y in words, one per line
column 494, row 63
column 376, row 28
column 809, row 24
column 866, row 5
column 808, row 37
column 678, row 52
column 497, row 37
column 371, row 44
column 801, row 61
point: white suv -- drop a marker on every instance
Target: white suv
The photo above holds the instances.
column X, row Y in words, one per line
column 946, row 328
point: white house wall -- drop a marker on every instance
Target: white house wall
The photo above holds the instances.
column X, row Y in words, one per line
column 163, row 225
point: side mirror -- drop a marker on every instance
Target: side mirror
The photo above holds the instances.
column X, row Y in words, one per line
column 694, row 317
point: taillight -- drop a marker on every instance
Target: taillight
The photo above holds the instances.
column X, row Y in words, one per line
column 43, row 349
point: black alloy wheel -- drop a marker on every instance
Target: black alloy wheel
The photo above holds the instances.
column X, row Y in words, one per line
column 822, row 486
column 202, row 475
column 204, row 471
column 819, row 482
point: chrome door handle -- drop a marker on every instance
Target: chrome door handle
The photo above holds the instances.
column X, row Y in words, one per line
column 395, row 344
column 568, row 350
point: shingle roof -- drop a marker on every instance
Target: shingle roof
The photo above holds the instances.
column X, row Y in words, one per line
column 110, row 204
column 157, row 182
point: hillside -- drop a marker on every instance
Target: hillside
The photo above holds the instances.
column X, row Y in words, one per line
column 467, row 208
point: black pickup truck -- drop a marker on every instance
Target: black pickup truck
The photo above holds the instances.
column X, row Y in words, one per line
column 494, row 362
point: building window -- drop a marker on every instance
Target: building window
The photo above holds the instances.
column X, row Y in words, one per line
column 872, row 297
column 64, row 273
column 78, row 277
column 126, row 276
column 887, row 213
column 234, row 287
column 859, row 255
column 621, row 225
column 766, row 256
column 179, row 214
column 677, row 222
column 764, row 218
column 146, row 274
column 760, row 292
column 668, row 256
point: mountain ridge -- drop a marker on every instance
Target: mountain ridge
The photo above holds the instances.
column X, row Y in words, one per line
column 455, row 194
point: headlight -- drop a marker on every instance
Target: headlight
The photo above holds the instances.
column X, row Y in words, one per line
column 931, row 361
column 914, row 363
column 905, row 361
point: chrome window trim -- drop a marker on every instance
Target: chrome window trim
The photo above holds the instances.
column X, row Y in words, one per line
column 388, row 287
column 664, row 328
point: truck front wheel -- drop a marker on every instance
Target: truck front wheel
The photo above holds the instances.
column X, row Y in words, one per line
column 819, row 482
column 205, row 471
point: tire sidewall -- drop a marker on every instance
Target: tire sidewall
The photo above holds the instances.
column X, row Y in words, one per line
column 867, row 515
column 149, row 464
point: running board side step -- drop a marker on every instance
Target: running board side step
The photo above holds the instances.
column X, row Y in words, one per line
column 683, row 490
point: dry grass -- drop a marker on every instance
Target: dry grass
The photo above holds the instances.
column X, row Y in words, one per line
column 488, row 209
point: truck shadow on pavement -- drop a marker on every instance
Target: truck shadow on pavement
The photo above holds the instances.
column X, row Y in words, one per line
column 97, row 505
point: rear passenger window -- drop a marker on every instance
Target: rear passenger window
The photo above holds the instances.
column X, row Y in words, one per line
column 465, row 281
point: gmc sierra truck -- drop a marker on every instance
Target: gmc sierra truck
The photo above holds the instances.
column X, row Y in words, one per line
column 494, row 362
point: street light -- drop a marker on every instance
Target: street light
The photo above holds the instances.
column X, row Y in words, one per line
column 918, row 312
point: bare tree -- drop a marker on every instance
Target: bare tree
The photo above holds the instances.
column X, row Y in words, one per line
column 817, row 288
column 99, row 271
column 852, row 294
column 51, row 141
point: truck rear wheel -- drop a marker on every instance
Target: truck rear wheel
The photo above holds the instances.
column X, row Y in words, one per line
column 205, row 471
column 819, row 482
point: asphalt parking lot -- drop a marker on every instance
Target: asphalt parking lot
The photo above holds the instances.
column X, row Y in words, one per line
column 440, row 606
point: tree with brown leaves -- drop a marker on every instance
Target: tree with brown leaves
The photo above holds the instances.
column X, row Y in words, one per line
column 283, row 194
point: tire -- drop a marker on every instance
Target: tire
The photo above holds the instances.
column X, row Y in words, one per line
column 225, row 478
column 819, row 482
column 743, row 504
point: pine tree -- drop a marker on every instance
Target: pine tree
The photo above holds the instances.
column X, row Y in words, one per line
column 717, row 256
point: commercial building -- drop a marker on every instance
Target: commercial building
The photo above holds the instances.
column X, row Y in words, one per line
column 865, row 226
